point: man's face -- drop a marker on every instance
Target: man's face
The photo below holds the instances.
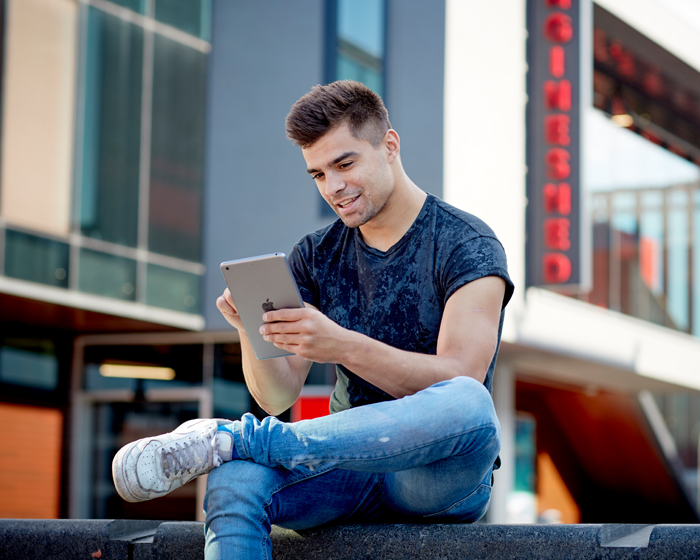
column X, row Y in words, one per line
column 352, row 176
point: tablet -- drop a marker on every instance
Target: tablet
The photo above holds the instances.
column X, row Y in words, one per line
column 257, row 285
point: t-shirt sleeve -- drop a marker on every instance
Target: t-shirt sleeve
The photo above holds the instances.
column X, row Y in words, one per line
column 298, row 262
column 476, row 258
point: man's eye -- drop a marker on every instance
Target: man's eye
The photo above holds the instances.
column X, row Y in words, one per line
column 346, row 164
column 317, row 176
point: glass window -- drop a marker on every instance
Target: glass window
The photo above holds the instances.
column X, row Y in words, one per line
column 29, row 363
column 173, row 289
column 361, row 38
column 641, row 196
column 177, row 150
column 112, row 129
column 135, row 5
column 624, row 215
column 37, row 259
column 361, row 22
column 350, row 69
column 616, row 158
column 190, row 16
column 231, row 399
column 231, row 396
column 651, row 239
column 107, row 275
column 38, row 113
column 185, row 361
column 522, row 506
column 678, row 304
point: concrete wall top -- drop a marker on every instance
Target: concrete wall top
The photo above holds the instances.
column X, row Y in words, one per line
column 152, row 540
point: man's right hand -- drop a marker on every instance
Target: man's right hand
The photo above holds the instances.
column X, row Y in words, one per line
column 275, row 384
column 224, row 303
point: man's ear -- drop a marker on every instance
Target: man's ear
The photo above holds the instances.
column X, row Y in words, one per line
column 392, row 144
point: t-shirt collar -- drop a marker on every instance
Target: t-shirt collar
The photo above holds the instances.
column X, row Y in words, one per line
column 429, row 200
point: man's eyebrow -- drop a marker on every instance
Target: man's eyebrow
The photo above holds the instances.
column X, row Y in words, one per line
column 340, row 158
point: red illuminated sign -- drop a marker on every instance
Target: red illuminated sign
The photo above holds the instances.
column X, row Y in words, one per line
column 556, row 268
column 553, row 250
column 557, row 94
column 558, row 28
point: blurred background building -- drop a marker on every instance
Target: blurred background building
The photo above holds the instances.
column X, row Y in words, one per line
column 143, row 143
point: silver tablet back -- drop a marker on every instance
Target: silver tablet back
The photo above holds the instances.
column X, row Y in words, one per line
column 258, row 284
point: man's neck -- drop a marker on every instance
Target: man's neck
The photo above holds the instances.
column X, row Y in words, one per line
column 400, row 211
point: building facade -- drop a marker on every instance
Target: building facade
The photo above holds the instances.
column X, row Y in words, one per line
column 143, row 144
column 601, row 372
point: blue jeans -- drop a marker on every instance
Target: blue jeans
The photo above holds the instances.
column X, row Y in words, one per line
column 425, row 458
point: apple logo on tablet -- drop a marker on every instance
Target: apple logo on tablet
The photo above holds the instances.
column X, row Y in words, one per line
column 268, row 305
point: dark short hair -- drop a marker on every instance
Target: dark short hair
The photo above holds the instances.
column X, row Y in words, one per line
column 327, row 107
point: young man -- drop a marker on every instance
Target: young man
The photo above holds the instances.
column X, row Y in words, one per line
column 405, row 294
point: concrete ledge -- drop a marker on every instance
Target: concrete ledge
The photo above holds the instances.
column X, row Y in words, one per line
column 154, row 540
column 492, row 542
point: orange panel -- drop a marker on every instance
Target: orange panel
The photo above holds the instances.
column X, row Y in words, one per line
column 552, row 493
column 30, row 461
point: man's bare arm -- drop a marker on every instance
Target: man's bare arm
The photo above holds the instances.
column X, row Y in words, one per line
column 466, row 343
column 275, row 384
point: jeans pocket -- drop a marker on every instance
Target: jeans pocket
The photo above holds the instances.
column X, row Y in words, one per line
column 468, row 509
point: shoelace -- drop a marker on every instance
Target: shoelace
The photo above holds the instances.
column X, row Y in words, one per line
column 177, row 460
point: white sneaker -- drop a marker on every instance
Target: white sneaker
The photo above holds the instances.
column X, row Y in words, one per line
column 154, row 466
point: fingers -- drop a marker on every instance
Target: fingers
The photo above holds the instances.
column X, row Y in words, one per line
column 224, row 303
column 283, row 339
column 283, row 331
column 229, row 298
column 281, row 328
column 280, row 322
column 295, row 314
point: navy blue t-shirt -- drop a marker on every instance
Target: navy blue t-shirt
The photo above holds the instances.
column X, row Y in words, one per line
column 396, row 296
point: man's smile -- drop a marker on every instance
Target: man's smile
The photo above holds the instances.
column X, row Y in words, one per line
column 346, row 203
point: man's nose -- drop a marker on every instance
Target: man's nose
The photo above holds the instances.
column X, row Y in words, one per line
column 334, row 185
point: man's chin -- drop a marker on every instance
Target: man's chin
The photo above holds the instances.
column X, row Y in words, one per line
column 349, row 225
column 352, row 222
column 358, row 218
